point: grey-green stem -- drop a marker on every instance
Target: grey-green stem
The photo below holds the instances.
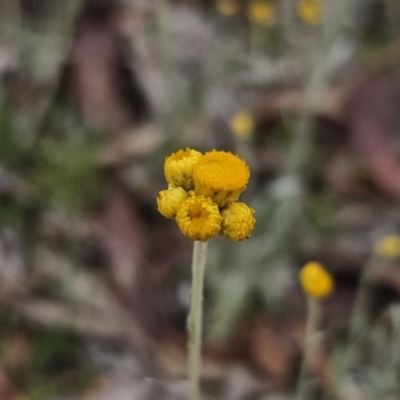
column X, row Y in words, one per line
column 195, row 318
column 305, row 385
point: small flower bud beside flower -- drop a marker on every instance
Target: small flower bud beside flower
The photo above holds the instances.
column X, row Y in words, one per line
column 388, row 247
column 316, row 281
column 178, row 168
column 170, row 200
column 237, row 221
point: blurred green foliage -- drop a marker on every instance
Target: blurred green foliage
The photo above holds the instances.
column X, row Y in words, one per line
column 55, row 355
column 67, row 172
column 54, row 362
column 10, row 148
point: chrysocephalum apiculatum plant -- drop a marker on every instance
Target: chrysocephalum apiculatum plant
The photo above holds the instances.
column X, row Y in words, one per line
column 202, row 197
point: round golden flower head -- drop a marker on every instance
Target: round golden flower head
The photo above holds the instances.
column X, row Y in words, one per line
column 169, row 201
column 262, row 11
column 316, row 281
column 237, row 221
column 198, row 218
column 221, row 176
column 242, row 124
column 178, row 168
column 388, row 247
column 228, row 7
column 310, row 11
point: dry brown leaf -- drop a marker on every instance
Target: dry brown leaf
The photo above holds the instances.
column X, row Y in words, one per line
column 272, row 350
column 139, row 142
column 7, row 391
column 94, row 70
column 369, row 133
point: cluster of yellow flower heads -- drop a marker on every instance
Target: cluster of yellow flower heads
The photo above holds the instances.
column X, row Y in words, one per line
column 316, row 281
column 202, row 194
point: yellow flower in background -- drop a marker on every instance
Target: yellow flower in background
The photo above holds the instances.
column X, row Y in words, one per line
column 388, row 247
column 228, row 7
column 316, row 281
column 262, row 11
column 169, row 201
column 237, row 221
column 242, row 124
column 178, row 168
column 198, row 218
column 221, row 176
column 310, row 11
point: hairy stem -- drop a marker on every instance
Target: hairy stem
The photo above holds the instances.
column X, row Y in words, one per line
column 305, row 385
column 195, row 318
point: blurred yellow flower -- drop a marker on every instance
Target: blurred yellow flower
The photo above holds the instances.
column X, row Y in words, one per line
column 169, row 201
column 310, row 11
column 228, row 7
column 388, row 247
column 262, row 11
column 242, row 124
column 237, row 221
column 316, row 281
column 178, row 168
column 220, row 175
column 198, row 218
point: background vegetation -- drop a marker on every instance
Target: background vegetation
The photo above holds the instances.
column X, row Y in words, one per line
column 94, row 283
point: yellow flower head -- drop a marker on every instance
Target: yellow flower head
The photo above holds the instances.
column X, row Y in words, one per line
column 169, row 201
column 262, row 11
column 228, row 7
column 198, row 218
column 237, row 221
column 178, row 168
column 316, row 281
column 310, row 11
column 221, row 176
column 388, row 247
column 242, row 124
